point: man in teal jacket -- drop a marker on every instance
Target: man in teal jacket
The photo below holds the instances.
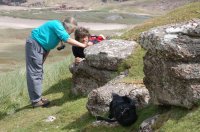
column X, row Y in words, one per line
column 38, row 45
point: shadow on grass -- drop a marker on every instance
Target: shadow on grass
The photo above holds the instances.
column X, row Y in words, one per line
column 2, row 115
column 165, row 113
column 24, row 108
column 79, row 124
column 178, row 112
column 62, row 87
column 84, row 124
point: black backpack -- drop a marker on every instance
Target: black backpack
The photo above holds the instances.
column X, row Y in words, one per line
column 123, row 109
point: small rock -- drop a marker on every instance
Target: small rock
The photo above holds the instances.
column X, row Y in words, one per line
column 50, row 119
column 147, row 124
column 104, row 123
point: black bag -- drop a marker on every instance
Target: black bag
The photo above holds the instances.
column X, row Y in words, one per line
column 123, row 109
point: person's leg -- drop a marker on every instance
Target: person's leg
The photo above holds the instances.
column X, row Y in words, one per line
column 34, row 69
column 78, row 54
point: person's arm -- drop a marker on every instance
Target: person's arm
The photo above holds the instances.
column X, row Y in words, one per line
column 73, row 42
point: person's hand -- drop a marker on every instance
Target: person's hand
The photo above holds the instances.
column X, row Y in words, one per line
column 86, row 44
column 89, row 43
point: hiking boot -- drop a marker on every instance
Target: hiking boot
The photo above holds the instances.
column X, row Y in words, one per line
column 42, row 103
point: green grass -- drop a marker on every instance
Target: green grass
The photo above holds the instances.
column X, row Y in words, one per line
column 16, row 113
column 183, row 121
column 135, row 65
column 13, row 85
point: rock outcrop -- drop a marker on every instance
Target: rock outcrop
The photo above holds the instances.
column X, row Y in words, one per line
column 100, row 65
column 99, row 99
column 147, row 125
column 108, row 54
column 172, row 63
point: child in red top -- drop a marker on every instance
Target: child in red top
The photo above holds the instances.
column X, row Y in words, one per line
column 82, row 35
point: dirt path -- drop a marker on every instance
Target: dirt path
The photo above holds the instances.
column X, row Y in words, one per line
column 19, row 23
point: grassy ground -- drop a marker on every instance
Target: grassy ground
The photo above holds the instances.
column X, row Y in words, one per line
column 180, row 120
column 70, row 111
column 17, row 115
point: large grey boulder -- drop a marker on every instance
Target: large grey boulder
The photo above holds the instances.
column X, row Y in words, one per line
column 99, row 99
column 108, row 54
column 172, row 63
column 100, row 65
column 86, row 78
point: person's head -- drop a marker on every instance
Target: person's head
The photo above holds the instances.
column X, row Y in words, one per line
column 82, row 34
column 70, row 24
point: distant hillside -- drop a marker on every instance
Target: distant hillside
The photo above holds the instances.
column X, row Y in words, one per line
column 143, row 5
column 163, row 5
column 51, row 2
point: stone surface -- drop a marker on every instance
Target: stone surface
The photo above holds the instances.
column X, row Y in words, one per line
column 108, row 54
column 100, row 65
column 147, row 124
column 86, row 78
column 99, row 99
column 105, row 124
column 171, row 64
